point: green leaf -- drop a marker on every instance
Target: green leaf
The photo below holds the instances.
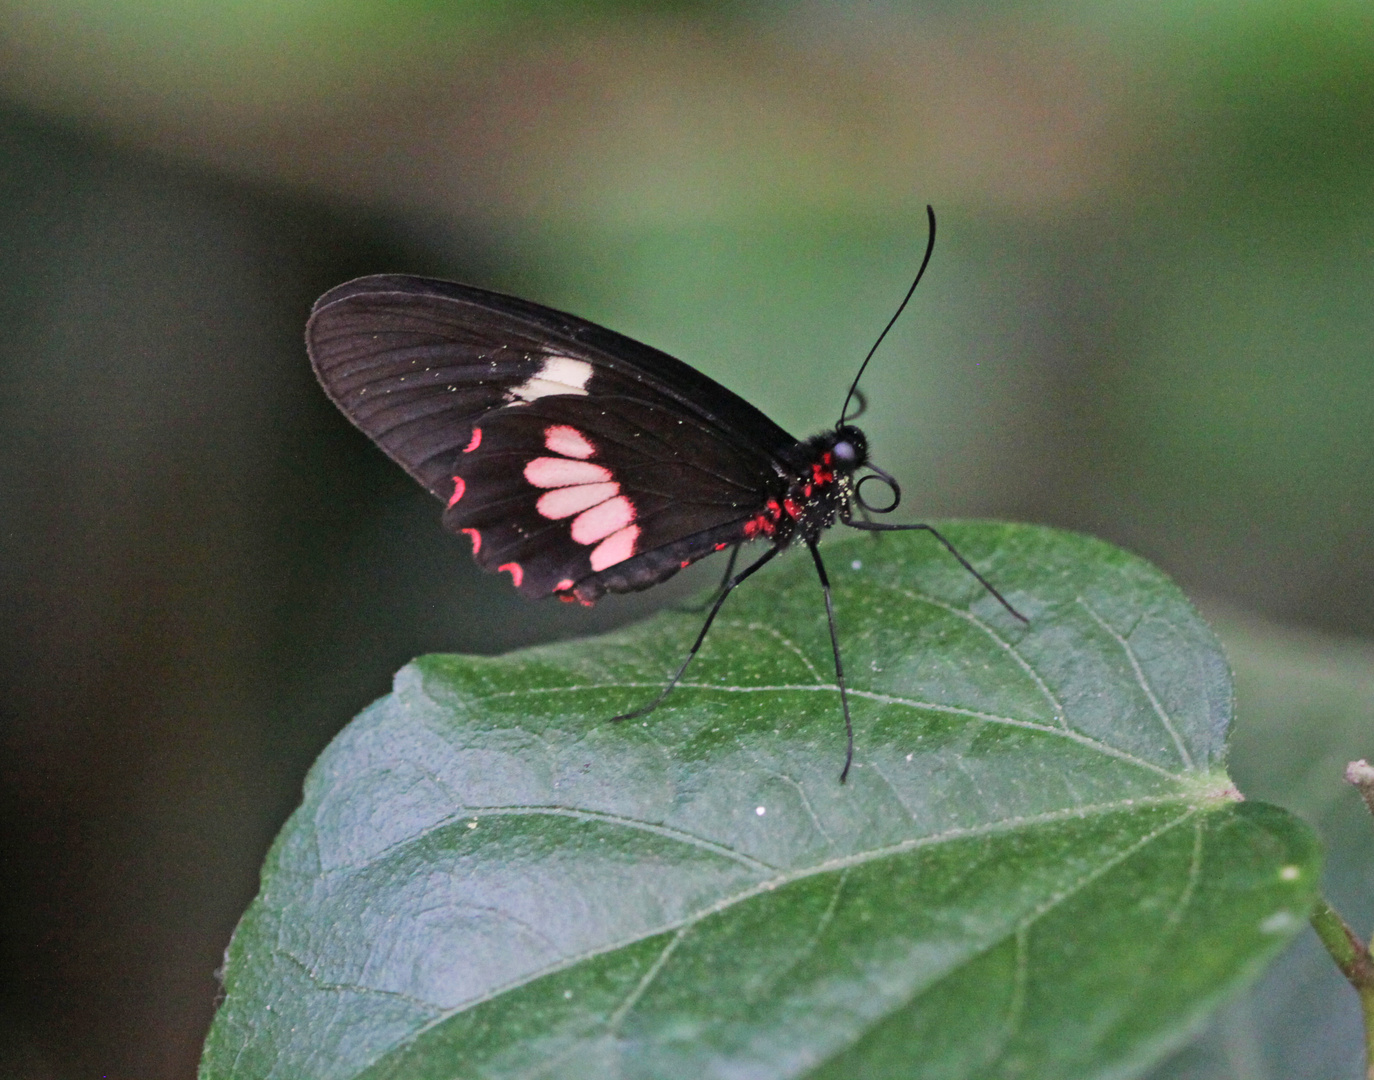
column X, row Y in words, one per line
column 1037, row 869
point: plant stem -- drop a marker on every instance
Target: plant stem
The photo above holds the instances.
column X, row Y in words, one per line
column 1352, row 957
column 1351, row 954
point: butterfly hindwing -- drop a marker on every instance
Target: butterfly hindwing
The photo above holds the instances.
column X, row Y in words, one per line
column 560, row 490
column 568, row 454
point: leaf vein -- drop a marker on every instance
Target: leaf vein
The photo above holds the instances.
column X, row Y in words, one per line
column 1016, row 1005
column 356, row 988
column 632, row 999
column 1055, row 704
column 1144, row 684
column 806, row 803
column 787, row 643
column 532, row 810
column 896, row 794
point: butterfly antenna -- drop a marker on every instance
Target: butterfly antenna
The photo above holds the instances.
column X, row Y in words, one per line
column 930, row 247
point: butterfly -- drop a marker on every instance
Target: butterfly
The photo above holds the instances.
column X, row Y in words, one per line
column 580, row 462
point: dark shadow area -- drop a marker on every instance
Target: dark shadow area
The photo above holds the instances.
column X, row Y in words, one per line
column 204, row 573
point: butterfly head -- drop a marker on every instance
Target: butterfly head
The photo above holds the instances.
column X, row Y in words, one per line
column 850, row 448
column 849, row 451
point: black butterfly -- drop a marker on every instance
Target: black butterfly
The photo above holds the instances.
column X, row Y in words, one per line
column 576, row 460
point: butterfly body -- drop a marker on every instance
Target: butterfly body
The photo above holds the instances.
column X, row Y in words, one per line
column 579, row 461
column 573, row 459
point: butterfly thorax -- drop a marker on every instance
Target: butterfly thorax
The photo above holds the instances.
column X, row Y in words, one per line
column 819, row 479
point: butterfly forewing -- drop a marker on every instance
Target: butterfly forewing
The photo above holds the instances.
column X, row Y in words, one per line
column 568, row 454
column 409, row 374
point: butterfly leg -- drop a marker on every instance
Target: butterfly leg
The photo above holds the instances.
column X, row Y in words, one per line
column 725, row 591
column 839, row 667
column 876, row 526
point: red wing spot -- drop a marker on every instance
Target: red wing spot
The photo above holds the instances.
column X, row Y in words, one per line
column 517, row 573
column 566, row 597
column 474, row 442
column 684, row 564
column 458, row 488
column 721, row 547
column 772, row 514
column 476, row 539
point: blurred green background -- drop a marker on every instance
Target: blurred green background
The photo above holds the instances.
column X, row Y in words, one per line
column 1149, row 316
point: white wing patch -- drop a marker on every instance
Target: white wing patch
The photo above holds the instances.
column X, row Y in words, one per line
column 568, row 441
column 557, row 375
column 583, row 491
column 567, row 501
column 594, row 525
column 555, row 472
column 616, row 548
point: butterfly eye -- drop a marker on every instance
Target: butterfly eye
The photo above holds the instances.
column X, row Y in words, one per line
column 845, row 451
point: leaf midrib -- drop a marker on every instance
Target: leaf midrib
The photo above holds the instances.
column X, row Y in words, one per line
column 1073, row 735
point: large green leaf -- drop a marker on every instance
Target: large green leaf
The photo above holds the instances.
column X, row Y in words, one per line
column 1038, row 867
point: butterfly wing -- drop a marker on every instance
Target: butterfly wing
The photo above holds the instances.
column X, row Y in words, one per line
column 574, row 458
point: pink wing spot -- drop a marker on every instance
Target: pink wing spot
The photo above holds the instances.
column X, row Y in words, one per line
column 564, row 586
column 553, row 472
column 568, row 441
column 458, row 488
column 476, row 539
column 565, row 502
column 616, row 548
column 474, row 442
column 517, row 574
column 600, row 521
